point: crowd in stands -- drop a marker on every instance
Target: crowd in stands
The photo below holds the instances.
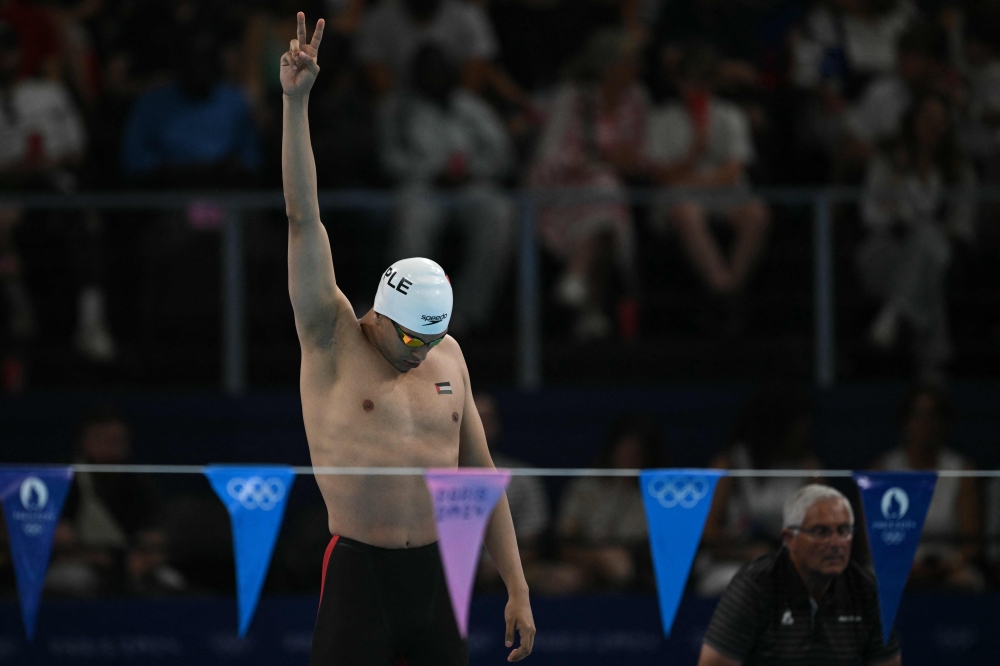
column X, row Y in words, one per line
column 125, row 534
column 700, row 99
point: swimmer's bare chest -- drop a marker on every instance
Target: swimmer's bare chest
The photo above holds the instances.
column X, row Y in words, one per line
column 369, row 414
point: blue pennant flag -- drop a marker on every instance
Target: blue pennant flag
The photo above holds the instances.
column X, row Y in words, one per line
column 32, row 502
column 677, row 503
column 895, row 505
column 255, row 498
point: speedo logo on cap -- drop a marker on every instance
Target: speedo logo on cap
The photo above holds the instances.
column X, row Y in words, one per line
column 434, row 319
column 402, row 286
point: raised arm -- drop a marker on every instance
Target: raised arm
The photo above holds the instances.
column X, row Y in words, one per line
column 316, row 300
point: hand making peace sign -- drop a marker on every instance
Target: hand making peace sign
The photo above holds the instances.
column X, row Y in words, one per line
column 298, row 64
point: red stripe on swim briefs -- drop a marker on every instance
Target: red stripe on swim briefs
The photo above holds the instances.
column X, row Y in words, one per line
column 326, row 562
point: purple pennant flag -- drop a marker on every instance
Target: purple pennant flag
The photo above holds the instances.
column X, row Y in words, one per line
column 32, row 502
column 463, row 503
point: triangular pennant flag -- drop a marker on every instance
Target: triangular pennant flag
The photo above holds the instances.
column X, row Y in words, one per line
column 677, row 503
column 463, row 503
column 32, row 502
column 895, row 505
column 255, row 498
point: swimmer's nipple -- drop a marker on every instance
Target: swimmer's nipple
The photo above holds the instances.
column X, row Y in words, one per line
column 368, row 405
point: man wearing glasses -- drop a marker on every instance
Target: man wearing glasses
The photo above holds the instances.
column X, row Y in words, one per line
column 807, row 603
column 390, row 390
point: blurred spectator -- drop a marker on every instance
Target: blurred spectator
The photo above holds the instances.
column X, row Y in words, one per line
column 910, row 219
column 194, row 132
column 602, row 521
column 595, row 138
column 106, row 516
column 41, row 132
column 980, row 129
column 42, row 140
column 394, row 30
column 728, row 25
column 148, row 570
column 81, row 67
column 950, row 545
column 149, row 56
column 877, row 115
column 435, row 134
column 538, row 37
column 704, row 143
column 342, row 118
column 529, row 503
column 843, row 44
column 773, row 431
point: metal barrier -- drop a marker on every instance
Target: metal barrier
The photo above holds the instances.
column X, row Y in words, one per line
column 529, row 342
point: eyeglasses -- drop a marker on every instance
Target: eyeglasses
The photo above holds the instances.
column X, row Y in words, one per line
column 410, row 341
column 825, row 532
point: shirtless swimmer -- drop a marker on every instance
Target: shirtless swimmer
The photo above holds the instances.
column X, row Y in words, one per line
column 390, row 390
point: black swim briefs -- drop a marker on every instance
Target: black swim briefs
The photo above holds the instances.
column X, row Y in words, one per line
column 385, row 607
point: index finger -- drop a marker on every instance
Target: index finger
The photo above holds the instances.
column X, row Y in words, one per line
column 318, row 34
column 300, row 31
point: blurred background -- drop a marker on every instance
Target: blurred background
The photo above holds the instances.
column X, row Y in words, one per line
column 735, row 233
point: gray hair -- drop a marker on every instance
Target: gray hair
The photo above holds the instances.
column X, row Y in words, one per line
column 803, row 499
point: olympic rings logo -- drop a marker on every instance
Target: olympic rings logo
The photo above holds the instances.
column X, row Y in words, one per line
column 682, row 491
column 256, row 493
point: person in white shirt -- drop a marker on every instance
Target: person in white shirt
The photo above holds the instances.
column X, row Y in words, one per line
column 877, row 115
column 42, row 140
column 911, row 223
column 435, row 134
column 950, row 542
column 393, row 31
column 701, row 147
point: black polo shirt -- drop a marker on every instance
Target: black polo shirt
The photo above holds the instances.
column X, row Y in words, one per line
column 766, row 616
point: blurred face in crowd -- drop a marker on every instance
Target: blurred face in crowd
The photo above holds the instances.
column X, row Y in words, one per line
column 930, row 124
column 627, row 453
column 817, row 549
column 106, row 443
column 924, row 426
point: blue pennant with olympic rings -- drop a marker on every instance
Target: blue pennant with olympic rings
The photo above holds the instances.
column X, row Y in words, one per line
column 255, row 498
column 33, row 499
column 895, row 505
column 677, row 503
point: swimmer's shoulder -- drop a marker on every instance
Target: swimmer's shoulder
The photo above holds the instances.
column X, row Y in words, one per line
column 452, row 352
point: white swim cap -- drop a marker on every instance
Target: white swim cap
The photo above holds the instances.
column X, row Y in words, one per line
column 416, row 294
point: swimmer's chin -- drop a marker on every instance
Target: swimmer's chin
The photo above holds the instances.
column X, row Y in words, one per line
column 409, row 365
